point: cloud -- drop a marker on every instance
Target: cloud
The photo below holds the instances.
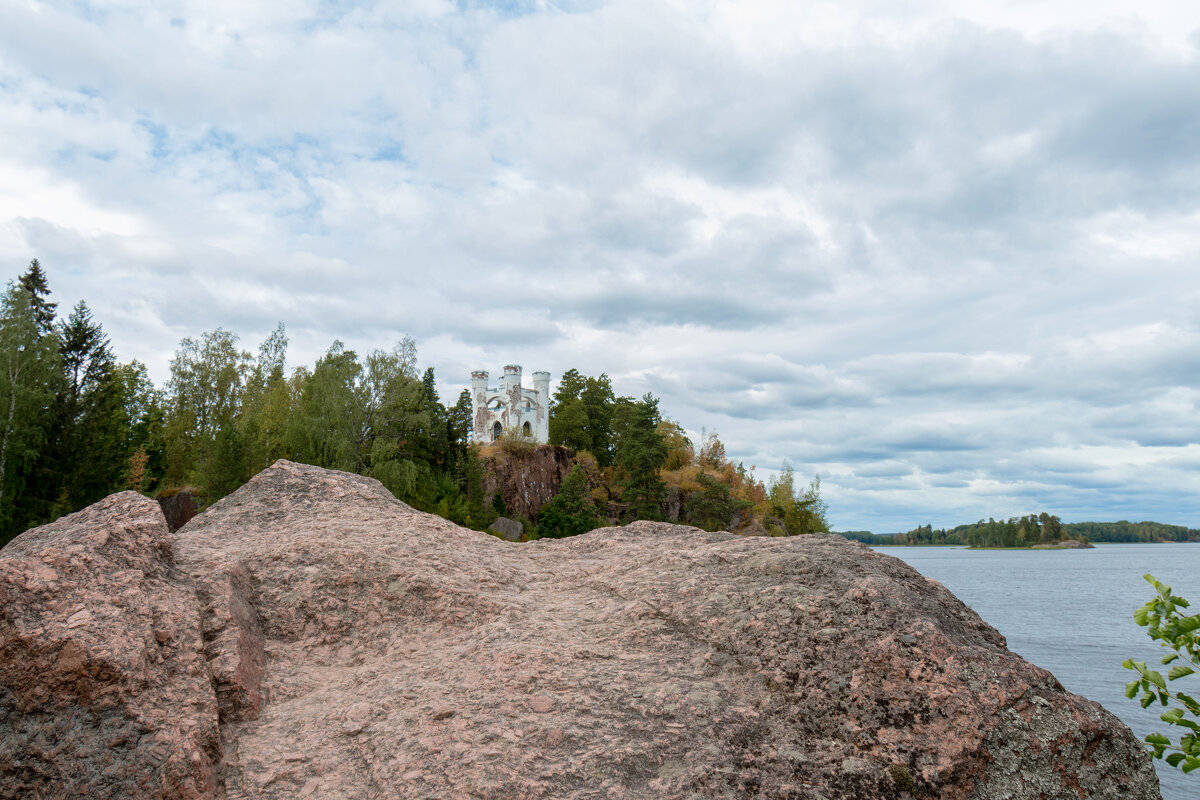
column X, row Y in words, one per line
column 943, row 254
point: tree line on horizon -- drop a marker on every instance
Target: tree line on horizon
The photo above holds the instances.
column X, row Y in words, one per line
column 1029, row 530
column 77, row 425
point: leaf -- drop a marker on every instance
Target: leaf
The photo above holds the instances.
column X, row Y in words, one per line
column 1167, row 659
column 1175, row 758
column 1189, row 624
column 1179, row 671
column 1172, row 716
column 1157, row 738
column 1131, row 689
column 1142, row 615
column 1156, row 678
column 1191, row 764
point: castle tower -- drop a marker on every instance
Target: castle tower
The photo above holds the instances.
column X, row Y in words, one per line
column 478, row 382
column 510, row 407
column 512, row 377
column 541, row 387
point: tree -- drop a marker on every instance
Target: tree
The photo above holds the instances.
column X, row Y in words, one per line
column 461, row 418
column 90, row 451
column 28, row 372
column 1179, row 633
column 713, row 506
column 34, row 282
column 328, row 419
column 712, row 451
column 266, row 404
column 680, row 451
column 570, row 386
column 802, row 512
column 640, row 454
column 569, row 426
column 571, row 512
column 205, row 392
column 144, row 418
column 598, row 400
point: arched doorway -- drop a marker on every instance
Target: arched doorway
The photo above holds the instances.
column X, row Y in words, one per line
column 527, row 429
column 497, row 430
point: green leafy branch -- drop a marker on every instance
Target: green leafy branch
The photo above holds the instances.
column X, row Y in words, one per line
column 1179, row 633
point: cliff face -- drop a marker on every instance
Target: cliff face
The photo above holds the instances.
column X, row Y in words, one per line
column 526, row 481
column 310, row 636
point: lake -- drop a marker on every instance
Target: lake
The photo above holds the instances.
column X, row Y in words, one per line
column 1071, row 611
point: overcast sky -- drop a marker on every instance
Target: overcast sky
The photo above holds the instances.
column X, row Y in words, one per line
column 944, row 254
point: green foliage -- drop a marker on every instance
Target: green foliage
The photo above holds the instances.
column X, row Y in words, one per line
column 1023, row 531
column 460, row 418
column 680, row 451
column 569, row 426
column 581, row 415
column 1125, row 531
column 37, row 287
column 641, row 452
column 571, row 512
column 1179, row 633
column 204, row 395
column 801, row 512
column 713, row 506
column 328, row 416
column 76, row 425
column 29, row 378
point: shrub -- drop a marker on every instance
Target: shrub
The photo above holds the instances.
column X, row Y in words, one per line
column 1179, row 633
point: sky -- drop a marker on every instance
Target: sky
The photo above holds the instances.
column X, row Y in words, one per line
column 942, row 254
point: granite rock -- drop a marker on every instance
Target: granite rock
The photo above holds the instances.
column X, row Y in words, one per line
column 526, row 480
column 104, row 688
column 356, row 647
column 508, row 529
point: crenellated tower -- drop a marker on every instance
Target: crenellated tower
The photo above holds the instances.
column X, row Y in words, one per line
column 510, row 407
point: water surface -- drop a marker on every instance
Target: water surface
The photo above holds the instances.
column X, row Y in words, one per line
column 1071, row 611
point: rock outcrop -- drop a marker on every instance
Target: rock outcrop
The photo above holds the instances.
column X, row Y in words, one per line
column 526, row 479
column 104, row 686
column 311, row 637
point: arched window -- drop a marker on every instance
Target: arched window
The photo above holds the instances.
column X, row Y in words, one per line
column 497, row 429
column 527, row 429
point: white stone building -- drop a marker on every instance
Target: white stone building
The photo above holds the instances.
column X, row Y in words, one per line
column 510, row 407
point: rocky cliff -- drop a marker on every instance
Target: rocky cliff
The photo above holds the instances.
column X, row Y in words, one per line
column 311, row 637
column 527, row 479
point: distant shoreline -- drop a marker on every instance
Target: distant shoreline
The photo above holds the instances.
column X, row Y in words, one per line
column 1091, row 545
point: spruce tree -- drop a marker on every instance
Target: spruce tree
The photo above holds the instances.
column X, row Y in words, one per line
column 28, row 376
column 34, row 282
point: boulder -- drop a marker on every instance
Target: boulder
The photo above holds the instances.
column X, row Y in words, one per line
column 360, row 648
column 753, row 528
column 508, row 529
column 105, row 690
column 673, row 504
